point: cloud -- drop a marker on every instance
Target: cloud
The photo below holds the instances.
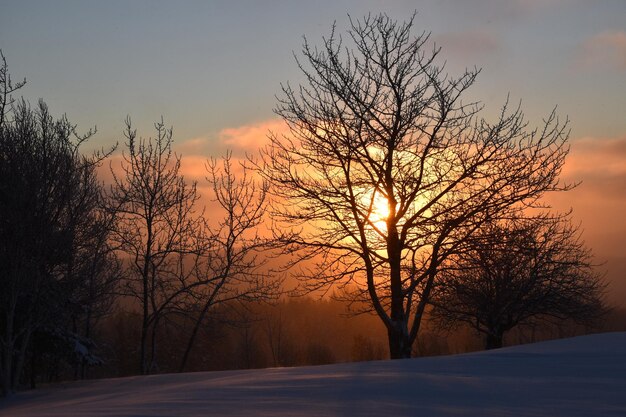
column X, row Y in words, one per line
column 599, row 203
column 503, row 12
column 195, row 146
column 530, row 6
column 249, row 138
column 604, row 50
column 241, row 140
column 601, row 163
column 193, row 168
column 468, row 45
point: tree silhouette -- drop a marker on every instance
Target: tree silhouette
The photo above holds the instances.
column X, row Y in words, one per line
column 519, row 271
column 51, row 278
column 156, row 228
column 179, row 262
column 232, row 266
column 386, row 171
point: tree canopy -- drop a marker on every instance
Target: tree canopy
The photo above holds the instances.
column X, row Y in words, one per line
column 386, row 170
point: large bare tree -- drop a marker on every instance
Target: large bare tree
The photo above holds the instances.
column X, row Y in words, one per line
column 519, row 272
column 386, row 170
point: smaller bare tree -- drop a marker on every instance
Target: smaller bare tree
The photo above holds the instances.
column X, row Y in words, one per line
column 156, row 230
column 519, row 272
column 230, row 267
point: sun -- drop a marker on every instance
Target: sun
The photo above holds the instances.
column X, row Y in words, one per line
column 379, row 211
column 381, row 207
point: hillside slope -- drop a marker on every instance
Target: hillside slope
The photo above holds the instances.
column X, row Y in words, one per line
column 583, row 376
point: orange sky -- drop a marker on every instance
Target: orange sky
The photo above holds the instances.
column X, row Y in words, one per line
column 598, row 203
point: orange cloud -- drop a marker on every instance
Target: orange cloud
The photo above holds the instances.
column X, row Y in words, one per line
column 606, row 49
column 195, row 146
column 600, row 164
column 192, row 167
column 240, row 140
column 599, row 204
column 250, row 138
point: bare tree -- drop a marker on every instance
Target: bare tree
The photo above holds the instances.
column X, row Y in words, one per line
column 7, row 88
column 182, row 263
column 519, row 272
column 99, row 271
column 233, row 263
column 273, row 327
column 385, row 170
column 156, row 230
column 49, row 195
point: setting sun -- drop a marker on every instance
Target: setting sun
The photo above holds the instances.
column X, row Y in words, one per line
column 378, row 211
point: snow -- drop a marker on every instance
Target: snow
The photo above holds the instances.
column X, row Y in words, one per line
column 583, row 376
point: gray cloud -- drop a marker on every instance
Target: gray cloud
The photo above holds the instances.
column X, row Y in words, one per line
column 604, row 50
column 468, row 45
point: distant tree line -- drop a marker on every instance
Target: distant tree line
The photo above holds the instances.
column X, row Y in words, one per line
column 138, row 271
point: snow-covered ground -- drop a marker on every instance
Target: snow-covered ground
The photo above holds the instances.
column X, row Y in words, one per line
column 583, row 376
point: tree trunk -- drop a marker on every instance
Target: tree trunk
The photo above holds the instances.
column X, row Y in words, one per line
column 493, row 339
column 34, row 366
column 83, row 362
column 398, row 332
column 153, row 364
column 7, row 366
column 144, row 341
column 145, row 299
column 399, row 343
column 193, row 335
column 7, row 358
column 20, row 360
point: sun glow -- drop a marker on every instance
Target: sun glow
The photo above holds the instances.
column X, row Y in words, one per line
column 379, row 211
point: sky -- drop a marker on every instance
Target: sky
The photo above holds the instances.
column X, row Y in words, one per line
column 212, row 70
